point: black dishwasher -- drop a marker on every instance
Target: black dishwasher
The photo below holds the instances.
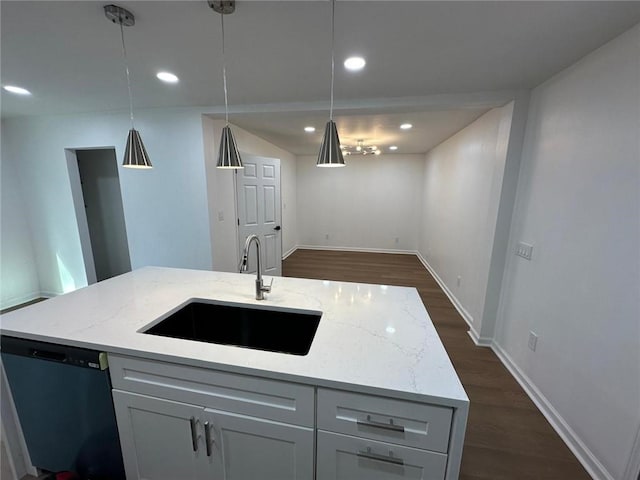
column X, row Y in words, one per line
column 63, row 399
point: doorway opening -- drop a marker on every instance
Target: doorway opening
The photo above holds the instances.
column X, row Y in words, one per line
column 95, row 187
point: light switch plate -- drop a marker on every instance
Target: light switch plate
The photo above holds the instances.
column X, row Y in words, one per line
column 524, row 250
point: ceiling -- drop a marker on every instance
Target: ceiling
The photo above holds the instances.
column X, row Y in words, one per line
column 380, row 130
column 278, row 60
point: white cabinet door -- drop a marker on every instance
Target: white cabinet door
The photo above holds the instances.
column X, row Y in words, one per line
column 343, row 457
column 156, row 438
column 249, row 448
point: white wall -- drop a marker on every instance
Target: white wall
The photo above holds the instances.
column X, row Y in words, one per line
column 18, row 273
column 224, row 240
column 578, row 203
column 461, row 193
column 367, row 205
column 165, row 208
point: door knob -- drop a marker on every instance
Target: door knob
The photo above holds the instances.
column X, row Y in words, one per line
column 276, row 228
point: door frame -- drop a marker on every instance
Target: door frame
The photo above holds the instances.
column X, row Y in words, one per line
column 77, row 195
column 81, row 214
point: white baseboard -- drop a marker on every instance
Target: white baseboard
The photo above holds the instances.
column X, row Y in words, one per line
column 588, row 460
column 12, row 302
column 289, row 252
column 456, row 303
column 478, row 340
column 357, row 249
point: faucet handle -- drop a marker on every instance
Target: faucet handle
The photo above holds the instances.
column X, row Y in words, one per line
column 242, row 266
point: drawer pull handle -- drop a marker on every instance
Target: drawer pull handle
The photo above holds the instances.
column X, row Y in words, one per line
column 207, row 437
column 194, row 434
column 385, row 426
column 381, row 458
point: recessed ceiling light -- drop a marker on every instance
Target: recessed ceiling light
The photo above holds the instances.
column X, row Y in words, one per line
column 406, row 126
column 309, row 129
column 393, row 147
column 354, row 63
column 17, row 90
column 167, row 77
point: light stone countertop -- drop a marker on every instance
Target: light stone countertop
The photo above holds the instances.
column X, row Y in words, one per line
column 371, row 338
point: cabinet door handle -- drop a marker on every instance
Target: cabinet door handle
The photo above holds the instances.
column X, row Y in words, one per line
column 380, row 458
column 194, row 434
column 385, row 426
column 207, row 437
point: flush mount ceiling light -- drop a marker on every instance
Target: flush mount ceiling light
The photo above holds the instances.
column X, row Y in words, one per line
column 167, row 77
column 360, row 149
column 406, row 126
column 16, row 90
column 354, row 63
column 393, row 147
column 135, row 155
column 309, row 129
column 228, row 155
column 330, row 154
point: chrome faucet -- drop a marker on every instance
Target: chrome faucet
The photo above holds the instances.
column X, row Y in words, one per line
column 260, row 288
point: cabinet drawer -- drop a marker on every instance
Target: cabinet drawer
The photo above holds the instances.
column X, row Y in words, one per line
column 379, row 418
column 342, row 457
column 270, row 399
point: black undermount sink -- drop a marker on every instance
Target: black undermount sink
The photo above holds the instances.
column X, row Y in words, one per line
column 261, row 328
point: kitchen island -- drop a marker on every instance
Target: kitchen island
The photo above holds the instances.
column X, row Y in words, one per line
column 375, row 397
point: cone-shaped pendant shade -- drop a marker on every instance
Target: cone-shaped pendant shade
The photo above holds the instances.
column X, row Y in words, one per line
column 135, row 155
column 228, row 157
column 330, row 154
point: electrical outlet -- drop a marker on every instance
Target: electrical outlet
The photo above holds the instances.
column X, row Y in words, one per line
column 220, row 216
column 326, row 236
column 524, row 250
column 459, row 280
column 397, row 239
column 533, row 341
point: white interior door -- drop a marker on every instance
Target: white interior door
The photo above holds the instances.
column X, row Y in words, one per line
column 259, row 211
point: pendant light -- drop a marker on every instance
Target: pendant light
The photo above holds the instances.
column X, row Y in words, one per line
column 330, row 154
column 135, row 155
column 228, row 155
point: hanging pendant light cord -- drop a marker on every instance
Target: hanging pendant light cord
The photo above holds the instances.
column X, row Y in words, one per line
column 333, row 8
column 126, row 68
column 224, row 73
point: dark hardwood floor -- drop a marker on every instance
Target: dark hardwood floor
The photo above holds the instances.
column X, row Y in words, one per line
column 507, row 436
